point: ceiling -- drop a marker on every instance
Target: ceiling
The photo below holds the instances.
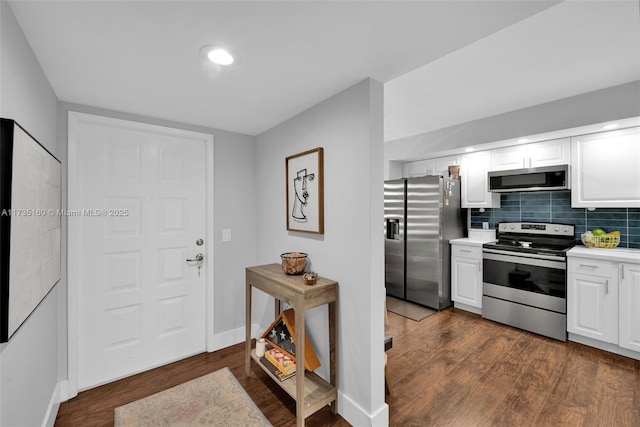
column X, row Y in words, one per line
column 442, row 62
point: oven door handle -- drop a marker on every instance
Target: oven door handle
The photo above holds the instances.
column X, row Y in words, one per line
column 544, row 262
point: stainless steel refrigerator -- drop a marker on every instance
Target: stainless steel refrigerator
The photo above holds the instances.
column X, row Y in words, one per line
column 421, row 216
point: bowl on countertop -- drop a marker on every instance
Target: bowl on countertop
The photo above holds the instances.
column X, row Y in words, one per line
column 608, row 242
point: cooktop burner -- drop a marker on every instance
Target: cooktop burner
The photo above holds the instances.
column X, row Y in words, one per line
column 535, row 238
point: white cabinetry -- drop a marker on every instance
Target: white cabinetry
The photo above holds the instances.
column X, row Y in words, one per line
column 546, row 153
column 437, row 166
column 592, row 300
column 630, row 306
column 605, row 169
column 603, row 299
column 475, row 187
column 466, row 276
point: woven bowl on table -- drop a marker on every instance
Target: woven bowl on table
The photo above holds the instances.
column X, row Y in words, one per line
column 293, row 262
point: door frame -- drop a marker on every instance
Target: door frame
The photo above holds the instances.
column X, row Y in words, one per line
column 73, row 233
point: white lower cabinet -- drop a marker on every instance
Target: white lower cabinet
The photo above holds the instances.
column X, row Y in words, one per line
column 592, row 304
column 603, row 302
column 466, row 276
column 630, row 306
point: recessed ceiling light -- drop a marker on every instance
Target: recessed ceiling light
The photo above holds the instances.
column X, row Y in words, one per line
column 522, row 140
column 469, row 149
column 610, row 126
column 219, row 55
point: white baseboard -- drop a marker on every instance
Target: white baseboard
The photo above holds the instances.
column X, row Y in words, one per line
column 612, row 348
column 58, row 395
column 229, row 338
column 467, row 307
column 356, row 416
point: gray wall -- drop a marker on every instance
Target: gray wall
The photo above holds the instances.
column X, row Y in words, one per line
column 617, row 102
column 30, row 361
column 349, row 128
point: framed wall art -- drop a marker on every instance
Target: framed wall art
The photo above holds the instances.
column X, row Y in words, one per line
column 29, row 225
column 305, row 191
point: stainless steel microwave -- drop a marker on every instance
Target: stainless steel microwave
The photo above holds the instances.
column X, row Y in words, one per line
column 545, row 178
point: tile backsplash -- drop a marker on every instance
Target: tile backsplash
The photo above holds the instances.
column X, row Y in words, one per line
column 555, row 206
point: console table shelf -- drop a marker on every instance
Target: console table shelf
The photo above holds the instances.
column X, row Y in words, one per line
column 309, row 390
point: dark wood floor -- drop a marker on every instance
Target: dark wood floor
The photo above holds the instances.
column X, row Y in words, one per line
column 451, row 369
column 456, row 369
column 95, row 407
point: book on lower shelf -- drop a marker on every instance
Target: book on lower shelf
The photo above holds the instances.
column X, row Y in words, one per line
column 275, row 371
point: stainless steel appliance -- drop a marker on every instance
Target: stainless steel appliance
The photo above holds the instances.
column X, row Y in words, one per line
column 524, row 277
column 421, row 216
column 531, row 179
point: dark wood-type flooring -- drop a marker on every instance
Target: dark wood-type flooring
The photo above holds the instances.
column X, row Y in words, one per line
column 451, row 369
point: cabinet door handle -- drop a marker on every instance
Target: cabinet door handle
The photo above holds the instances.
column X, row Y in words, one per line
column 465, row 250
column 606, row 287
column 621, row 272
column 588, row 266
column 479, row 265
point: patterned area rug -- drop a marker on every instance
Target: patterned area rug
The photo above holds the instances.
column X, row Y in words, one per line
column 215, row 399
column 407, row 309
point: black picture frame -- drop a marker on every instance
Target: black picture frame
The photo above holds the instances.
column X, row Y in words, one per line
column 30, row 225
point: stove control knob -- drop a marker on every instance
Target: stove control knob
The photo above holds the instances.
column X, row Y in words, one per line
column 556, row 229
column 512, row 227
column 566, row 229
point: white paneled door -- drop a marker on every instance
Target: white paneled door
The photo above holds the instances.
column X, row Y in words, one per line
column 139, row 212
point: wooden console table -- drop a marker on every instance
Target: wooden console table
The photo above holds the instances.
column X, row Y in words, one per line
column 309, row 390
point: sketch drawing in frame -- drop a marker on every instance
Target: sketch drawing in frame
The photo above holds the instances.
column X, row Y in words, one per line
column 305, row 191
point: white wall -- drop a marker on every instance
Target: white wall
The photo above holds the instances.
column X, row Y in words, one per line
column 617, row 102
column 30, row 361
column 349, row 128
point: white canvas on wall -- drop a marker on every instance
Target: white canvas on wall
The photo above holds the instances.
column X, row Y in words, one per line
column 34, row 227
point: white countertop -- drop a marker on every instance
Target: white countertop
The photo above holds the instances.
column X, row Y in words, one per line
column 615, row 254
column 469, row 241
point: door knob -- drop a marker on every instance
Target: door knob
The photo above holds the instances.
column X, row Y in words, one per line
column 199, row 257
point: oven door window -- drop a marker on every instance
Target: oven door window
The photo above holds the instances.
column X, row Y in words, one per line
column 531, row 278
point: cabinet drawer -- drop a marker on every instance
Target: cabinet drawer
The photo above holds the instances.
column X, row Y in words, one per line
column 593, row 267
column 467, row 251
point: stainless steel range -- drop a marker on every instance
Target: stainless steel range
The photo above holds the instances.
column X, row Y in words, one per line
column 525, row 277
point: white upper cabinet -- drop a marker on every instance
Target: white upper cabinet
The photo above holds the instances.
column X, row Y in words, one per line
column 546, row 153
column 549, row 153
column 475, row 186
column 508, row 158
column 605, row 169
column 418, row 168
column 437, row 166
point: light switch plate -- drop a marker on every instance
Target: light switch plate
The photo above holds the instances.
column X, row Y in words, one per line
column 226, row 234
